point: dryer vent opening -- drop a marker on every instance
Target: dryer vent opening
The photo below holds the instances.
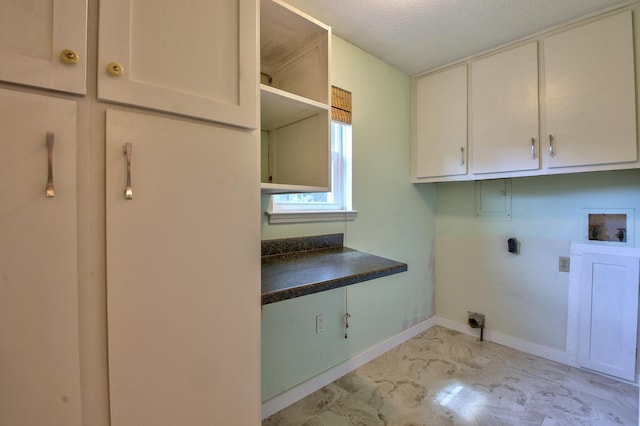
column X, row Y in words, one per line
column 476, row 320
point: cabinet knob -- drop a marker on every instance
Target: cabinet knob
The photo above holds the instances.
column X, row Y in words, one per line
column 115, row 69
column 70, row 56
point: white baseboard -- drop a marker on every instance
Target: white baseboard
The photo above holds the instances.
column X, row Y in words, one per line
column 523, row 346
column 287, row 398
column 511, row 342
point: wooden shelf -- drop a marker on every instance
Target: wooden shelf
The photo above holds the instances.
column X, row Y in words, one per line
column 282, row 188
column 279, row 108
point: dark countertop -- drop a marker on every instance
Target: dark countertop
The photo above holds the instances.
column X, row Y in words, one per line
column 295, row 267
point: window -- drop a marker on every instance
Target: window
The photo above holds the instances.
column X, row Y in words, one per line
column 325, row 206
column 322, row 206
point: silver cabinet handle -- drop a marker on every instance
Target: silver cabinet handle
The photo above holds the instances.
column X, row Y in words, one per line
column 533, row 148
column 552, row 152
column 50, row 192
column 128, row 192
column 462, row 156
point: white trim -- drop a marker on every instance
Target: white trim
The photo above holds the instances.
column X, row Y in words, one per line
column 512, row 342
column 566, row 358
column 573, row 301
column 287, row 398
column 311, row 216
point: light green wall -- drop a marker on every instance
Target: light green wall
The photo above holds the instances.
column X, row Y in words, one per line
column 395, row 220
column 523, row 296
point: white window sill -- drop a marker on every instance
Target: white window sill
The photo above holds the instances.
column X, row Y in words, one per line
column 311, row 216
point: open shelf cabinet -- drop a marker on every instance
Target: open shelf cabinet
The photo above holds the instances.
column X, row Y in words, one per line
column 294, row 100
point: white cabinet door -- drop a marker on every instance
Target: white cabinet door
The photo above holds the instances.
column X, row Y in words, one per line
column 440, row 124
column 609, row 314
column 33, row 37
column 590, row 94
column 39, row 348
column 197, row 59
column 183, row 273
column 504, row 111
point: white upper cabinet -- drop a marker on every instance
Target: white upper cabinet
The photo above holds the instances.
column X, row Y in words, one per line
column 590, row 94
column 195, row 60
column 504, row 111
column 43, row 43
column 563, row 102
column 440, row 124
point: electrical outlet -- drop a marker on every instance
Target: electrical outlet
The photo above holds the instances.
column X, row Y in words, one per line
column 319, row 323
column 564, row 264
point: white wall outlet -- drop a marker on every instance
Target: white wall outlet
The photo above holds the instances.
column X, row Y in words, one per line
column 564, row 264
column 319, row 323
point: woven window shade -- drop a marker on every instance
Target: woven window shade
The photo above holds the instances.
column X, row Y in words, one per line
column 340, row 105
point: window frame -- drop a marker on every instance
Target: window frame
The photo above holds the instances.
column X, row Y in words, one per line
column 340, row 208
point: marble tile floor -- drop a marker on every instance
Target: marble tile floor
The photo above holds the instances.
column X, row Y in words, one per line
column 443, row 377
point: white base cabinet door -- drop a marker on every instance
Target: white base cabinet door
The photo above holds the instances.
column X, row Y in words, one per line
column 43, row 43
column 39, row 331
column 183, row 273
column 609, row 314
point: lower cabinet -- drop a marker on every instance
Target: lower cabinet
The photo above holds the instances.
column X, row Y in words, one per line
column 39, row 334
column 608, row 310
column 183, row 272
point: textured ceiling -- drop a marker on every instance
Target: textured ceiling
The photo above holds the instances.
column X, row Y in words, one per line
column 419, row 35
